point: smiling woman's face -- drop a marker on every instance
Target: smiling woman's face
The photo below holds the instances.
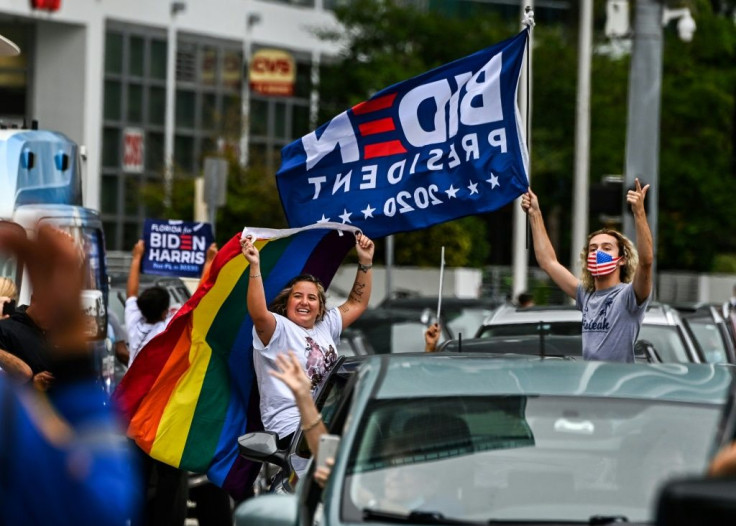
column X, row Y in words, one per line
column 303, row 306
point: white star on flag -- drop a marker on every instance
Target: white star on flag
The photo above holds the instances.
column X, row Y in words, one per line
column 473, row 187
column 324, row 219
column 345, row 216
column 451, row 192
column 368, row 211
column 493, row 180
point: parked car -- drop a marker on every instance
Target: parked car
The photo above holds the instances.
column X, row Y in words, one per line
column 459, row 315
column 662, row 327
column 397, row 325
column 711, row 330
column 387, row 330
column 459, row 439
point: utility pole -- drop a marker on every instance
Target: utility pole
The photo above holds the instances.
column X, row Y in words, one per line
column 642, row 130
column 582, row 136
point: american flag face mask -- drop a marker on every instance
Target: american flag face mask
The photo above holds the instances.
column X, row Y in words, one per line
column 601, row 264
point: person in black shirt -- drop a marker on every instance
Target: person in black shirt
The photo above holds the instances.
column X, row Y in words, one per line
column 22, row 336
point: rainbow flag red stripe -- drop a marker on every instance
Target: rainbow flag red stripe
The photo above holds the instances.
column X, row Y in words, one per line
column 191, row 391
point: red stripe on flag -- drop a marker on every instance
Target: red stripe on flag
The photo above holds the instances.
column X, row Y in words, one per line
column 383, row 149
column 377, row 126
column 381, row 103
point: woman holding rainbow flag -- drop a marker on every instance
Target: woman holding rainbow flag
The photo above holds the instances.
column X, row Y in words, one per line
column 297, row 320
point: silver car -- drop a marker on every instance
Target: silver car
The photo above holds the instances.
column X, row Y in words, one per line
column 560, row 326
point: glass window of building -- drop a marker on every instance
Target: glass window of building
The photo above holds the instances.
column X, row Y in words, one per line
column 275, row 120
column 133, row 110
column 207, row 108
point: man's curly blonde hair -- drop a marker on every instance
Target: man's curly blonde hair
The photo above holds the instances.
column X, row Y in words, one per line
column 625, row 248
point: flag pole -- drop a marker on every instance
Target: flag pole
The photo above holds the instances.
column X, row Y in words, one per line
column 442, row 279
column 521, row 228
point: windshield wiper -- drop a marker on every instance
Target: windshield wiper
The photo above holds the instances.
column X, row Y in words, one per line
column 607, row 519
column 414, row 517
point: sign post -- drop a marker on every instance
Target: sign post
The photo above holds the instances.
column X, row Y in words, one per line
column 215, row 186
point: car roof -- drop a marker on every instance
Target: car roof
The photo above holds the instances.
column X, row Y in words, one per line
column 656, row 314
column 408, row 377
column 550, row 313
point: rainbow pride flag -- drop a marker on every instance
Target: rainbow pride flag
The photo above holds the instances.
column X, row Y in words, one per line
column 191, row 392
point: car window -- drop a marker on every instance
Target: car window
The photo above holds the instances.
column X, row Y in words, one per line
column 709, row 337
column 467, row 322
column 666, row 341
column 328, row 402
column 523, row 458
column 523, row 329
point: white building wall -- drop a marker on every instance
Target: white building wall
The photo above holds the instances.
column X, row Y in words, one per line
column 69, row 55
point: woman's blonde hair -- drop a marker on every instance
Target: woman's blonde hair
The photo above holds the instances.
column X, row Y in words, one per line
column 626, row 249
column 278, row 305
column 8, row 289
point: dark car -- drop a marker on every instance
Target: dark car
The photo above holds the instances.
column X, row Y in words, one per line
column 459, row 315
column 387, row 330
column 397, row 325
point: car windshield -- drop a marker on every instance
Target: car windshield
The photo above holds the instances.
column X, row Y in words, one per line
column 522, row 458
column 666, row 340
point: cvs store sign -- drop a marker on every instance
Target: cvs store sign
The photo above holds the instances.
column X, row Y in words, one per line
column 272, row 72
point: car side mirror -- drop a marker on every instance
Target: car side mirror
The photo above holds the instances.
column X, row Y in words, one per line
column 262, row 446
column 644, row 351
column 697, row 502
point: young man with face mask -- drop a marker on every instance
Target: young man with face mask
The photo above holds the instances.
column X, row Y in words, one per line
column 616, row 283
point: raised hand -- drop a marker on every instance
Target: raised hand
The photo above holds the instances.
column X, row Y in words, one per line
column 139, row 248
column 636, row 196
column 249, row 250
column 365, row 248
column 529, row 202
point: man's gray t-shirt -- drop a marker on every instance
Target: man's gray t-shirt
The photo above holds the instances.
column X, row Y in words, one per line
column 611, row 322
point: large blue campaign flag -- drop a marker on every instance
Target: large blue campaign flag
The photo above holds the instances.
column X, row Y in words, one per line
column 442, row 145
column 175, row 248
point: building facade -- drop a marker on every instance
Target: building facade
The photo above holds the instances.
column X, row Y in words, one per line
column 152, row 87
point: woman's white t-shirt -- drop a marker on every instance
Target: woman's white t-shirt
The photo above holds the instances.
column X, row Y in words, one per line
column 316, row 349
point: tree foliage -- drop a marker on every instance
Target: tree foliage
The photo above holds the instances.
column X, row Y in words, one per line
column 389, row 41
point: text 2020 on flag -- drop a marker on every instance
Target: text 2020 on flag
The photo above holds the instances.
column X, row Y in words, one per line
column 442, row 145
